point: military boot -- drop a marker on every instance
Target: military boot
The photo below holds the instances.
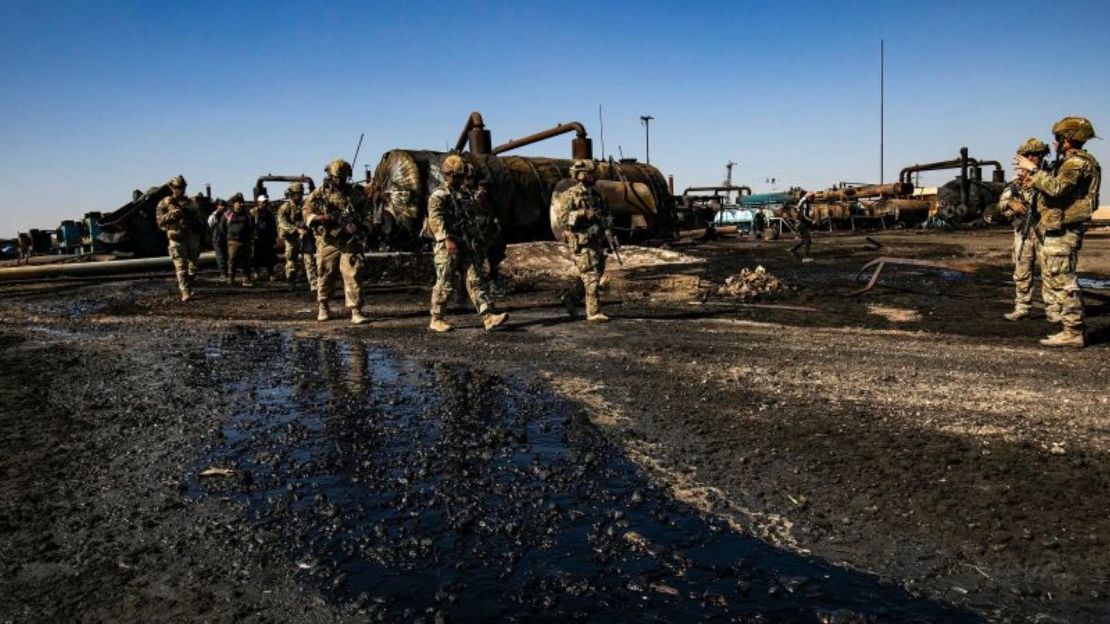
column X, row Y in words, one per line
column 439, row 325
column 570, row 305
column 491, row 320
column 597, row 317
column 1017, row 314
column 186, row 297
column 356, row 316
column 323, row 313
column 1068, row 337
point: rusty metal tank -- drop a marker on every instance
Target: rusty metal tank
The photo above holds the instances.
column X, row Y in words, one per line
column 520, row 188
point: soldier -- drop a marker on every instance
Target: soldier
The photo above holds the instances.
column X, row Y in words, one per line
column 493, row 237
column 300, row 248
column 238, row 230
column 586, row 225
column 459, row 226
column 803, row 217
column 337, row 213
column 1068, row 194
column 1018, row 204
column 180, row 218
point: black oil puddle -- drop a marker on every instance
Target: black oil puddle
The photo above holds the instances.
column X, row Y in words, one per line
column 438, row 492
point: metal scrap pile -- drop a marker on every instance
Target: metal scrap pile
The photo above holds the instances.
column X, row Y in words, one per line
column 750, row 284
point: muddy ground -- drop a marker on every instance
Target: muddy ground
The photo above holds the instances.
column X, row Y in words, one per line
column 904, row 455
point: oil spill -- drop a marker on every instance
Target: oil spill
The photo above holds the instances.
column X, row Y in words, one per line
column 432, row 492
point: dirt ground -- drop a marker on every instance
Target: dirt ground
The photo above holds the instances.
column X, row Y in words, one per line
column 907, row 453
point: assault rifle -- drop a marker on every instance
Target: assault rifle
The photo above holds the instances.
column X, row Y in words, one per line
column 614, row 245
column 1031, row 210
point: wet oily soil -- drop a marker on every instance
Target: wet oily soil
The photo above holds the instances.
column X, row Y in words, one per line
column 398, row 490
column 444, row 491
column 902, row 456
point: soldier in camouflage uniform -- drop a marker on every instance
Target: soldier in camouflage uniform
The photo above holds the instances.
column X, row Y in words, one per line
column 585, row 221
column 337, row 213
column 300, row 248
column 458, row 225
column 1068, row 195
column 180, row 218
column 1016, row 202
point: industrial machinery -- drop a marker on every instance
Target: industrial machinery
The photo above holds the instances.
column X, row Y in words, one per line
column 260, row 184
column 520, row 187
column 965, row 199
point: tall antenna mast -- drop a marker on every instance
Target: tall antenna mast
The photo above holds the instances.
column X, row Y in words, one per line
column 882, row 106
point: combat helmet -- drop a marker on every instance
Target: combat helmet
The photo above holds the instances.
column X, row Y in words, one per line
column 1033, row 147
column 1074, row 128
column 339, row 169
column 295, row 188
column 453, row 164
column 177, row 182
column 582, row 166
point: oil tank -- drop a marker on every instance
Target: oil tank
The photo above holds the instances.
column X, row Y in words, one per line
column 520, row 188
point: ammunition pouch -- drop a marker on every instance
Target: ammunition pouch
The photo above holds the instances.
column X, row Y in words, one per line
column 1052, row 219
column 1079, row 211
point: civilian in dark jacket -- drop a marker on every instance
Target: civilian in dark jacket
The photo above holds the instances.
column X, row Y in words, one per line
column 238, row 229
column 265, row 238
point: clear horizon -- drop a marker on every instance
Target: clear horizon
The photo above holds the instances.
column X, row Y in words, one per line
column 103, row 98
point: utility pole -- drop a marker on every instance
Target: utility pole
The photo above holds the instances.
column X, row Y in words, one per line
column 728, row 178
column 646, row 120
column 882, row 107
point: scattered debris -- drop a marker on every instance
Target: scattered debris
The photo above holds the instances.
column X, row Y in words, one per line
column 881, row 262
column 751, row 283
column 219, row 472
column 894, row 315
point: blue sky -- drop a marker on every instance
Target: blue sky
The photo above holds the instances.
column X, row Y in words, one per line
column 101, row 98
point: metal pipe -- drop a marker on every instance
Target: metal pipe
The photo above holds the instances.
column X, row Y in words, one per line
column 474, row 133
column 727, row 188
column 110, row 267
column 855, row 192
column 965, row 184
column 543, row 135
column 907, row 173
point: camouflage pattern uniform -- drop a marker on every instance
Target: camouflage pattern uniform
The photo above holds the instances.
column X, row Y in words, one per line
column 329, row 211
column 300, row 248
column 1027, row 249
column 1068, row 196
column 451, row 216
column 584, row 221
column 459, row 224
column 180, row 218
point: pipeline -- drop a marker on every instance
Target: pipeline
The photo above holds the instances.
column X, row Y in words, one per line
column 97, row 269
column 581, row 146
column 260, row 189
column 850, row 193
column 961, row 163
column 741, row 190
column 475, row 133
